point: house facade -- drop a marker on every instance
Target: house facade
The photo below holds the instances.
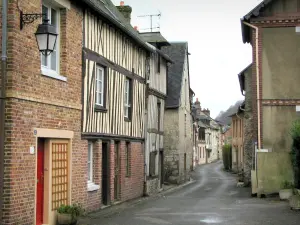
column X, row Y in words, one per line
column 116, row 67
column 178, row 126
column 271, row 29
column 45, row 156
column 78, row 114
column 200, row 152
column 237, row 141
column 156, row 102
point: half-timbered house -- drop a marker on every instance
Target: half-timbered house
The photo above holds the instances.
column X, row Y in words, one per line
column 155, row 97
column 116, row 63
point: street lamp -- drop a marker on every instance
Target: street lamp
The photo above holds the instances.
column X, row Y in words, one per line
column 46, row 37
column 46, row 34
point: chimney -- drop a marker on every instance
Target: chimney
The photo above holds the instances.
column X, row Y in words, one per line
column 206, row 111
column 136, row 28
column 197, row 106
column 125, row 10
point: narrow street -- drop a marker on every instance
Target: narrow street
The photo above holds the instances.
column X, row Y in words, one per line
column 212, row 199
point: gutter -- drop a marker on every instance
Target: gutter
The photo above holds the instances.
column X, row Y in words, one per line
column 257, row 81
column 2, row 101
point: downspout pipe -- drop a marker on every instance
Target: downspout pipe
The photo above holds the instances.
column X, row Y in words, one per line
column 2, row 100
column 257, row 83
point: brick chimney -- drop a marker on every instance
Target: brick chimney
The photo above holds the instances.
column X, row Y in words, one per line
column 197, row 106
column 206, row 112
column 126, row 11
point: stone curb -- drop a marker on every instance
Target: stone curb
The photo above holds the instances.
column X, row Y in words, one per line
column 119, row 207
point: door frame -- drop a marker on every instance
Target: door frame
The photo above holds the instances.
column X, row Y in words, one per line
column 40, row 148
column 53, row 135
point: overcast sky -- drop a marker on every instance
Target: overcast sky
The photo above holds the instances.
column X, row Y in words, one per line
column 213, row 30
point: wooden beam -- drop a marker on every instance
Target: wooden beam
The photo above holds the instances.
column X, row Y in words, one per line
column 156, row 93
column 91, row 55
column 110, row 137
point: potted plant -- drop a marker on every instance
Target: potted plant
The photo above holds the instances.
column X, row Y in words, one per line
column 68, row 214
column 287, row 190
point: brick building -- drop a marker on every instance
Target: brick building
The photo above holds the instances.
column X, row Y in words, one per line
column 272, row 30
column 71, row 134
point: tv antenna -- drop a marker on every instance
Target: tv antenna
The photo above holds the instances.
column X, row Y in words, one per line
column 151, row 20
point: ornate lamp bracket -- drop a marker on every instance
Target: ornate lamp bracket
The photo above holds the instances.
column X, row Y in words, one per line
column 29, row 18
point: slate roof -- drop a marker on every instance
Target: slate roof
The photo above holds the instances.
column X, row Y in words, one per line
column 154, row 37
column 241, row 76
column 253, row 13
column 240, row 109
column 177, row 52
column 109, row 11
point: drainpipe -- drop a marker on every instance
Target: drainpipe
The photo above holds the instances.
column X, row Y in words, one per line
column 2, row 101
column 257, row 83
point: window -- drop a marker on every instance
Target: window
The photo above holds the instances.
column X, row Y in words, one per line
column 152, row 163
column 50, row 64
column 200, row 152
column 90, row 165
column 127, row 99
column 158, row 115
column 128, row 159
column 100, row 86
column 90, row 162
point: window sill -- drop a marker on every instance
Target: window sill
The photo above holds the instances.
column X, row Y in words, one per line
column 93, row 187
column 53, row 74
column 99, row 108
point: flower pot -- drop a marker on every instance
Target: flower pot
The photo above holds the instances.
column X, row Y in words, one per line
column 295, row 202
column 66, row 219
column 285, row 194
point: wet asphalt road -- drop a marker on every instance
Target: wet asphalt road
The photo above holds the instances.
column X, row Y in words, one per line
column 212, row 199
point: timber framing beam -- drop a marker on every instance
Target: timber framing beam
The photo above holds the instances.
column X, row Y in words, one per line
column 156, row 93
column 94, row 56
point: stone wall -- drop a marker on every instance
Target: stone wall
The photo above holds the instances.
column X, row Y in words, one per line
column 248, row 128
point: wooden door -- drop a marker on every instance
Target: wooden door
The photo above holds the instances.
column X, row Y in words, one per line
column 161, row 168
column 40, row 184
column 105, row 174
column 117, row 173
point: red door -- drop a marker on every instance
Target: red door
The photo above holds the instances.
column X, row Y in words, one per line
column 40, row 183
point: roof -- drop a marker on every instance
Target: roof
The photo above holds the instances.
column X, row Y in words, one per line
column 166, row 57
column 253, row 13
column 154, row 37
column 177, row 52
column 239, row 110
column 241, row 76
column 109, row 11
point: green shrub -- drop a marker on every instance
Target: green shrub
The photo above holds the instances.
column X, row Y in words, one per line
column 227, row 156
column 295, row 152
column 75, row 210
column 287, row 185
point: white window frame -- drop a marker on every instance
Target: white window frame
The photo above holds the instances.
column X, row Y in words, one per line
column 99, row 102
column 127, row 104
column 46, row 70
column 91, row 185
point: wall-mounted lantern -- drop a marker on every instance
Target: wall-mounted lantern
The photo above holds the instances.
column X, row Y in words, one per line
column 46, row 34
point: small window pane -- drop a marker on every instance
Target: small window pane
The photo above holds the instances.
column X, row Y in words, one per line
column 53, row 60
column 45, row 12
column 44, row 60
column 53, row 17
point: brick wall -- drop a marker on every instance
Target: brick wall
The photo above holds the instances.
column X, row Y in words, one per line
column 36, row 101
column 132, row 186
